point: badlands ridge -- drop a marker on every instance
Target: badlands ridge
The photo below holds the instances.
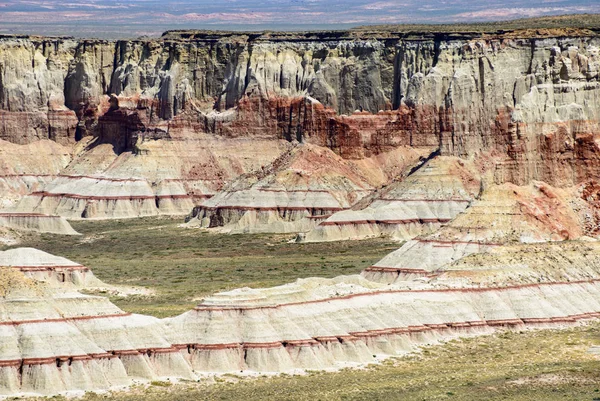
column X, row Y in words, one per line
column 480, row 151
column 55, row 339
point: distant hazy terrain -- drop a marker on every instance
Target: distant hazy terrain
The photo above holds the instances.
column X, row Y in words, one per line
column 132, row 18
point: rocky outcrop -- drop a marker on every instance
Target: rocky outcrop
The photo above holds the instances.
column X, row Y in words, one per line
column 57, row 341
column 309, row 324
column 298, row 190
column 160, row 178
column 528, row 102
column 55, row 271
column 28, row 168
column 433, row 195
column 41, row 223
column 505, row 214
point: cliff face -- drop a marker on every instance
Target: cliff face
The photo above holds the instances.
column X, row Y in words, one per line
column 534, row 101
column 525, row 106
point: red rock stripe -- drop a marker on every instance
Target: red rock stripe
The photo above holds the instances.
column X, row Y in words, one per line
column 274, row 344
column 422, row 200
column 208, row 347
column 125, row 197
column 316, row 217
column 86, row 357
column 216, row 308
column 353, row 336
column 301, row 343
column 11, row 363
column 295, row 190
column 91, row 177
column 324, row 339
column 269, row 208
column 405, row 221
column 62, row 319
column 443, row 242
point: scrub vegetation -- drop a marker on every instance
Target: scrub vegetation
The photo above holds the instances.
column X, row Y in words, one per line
column 182, row 265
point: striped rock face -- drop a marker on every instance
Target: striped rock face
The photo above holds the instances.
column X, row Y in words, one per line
column 421, row 203
column 27, row 168
column 163, row 179
column 58, row 342
column 36, row 222
column 182, row 116
column 298, row 190
column 504, row 214
column 55, row 271
column 490, row 145
column 309, row 324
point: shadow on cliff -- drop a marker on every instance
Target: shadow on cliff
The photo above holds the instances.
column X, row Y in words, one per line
column 123, row 128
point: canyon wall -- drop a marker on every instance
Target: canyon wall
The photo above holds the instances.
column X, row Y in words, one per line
column 470, row 94
column 525, row 105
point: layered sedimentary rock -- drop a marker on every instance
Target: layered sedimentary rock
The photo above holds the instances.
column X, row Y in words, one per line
column 102, row 197
column 50, row 269
column 298, row 190
column 55, row 342
column 163, row 178
column 28, row 168
column 36, row 222
column 309, row 324
column 505, row 214
column 525, row 101
column 323, row 333
column 430, row 197
column 272, row 132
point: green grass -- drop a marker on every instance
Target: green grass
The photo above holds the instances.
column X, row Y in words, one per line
column 182, row 265
column 531, row 365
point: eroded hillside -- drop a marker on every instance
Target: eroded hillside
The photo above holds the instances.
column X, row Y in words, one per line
column 147, row 127
column 479, row 150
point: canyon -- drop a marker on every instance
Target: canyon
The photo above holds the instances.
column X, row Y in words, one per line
column 149, row 127
column 479, row 153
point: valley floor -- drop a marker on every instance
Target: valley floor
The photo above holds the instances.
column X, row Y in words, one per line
column 182, row 265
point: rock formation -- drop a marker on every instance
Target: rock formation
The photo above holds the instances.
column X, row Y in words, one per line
column 505, row 214
column 171, row 110
column 484, row 148
column 50, row 269
column 430, row 197
column 309, row 324
column 36, row 222
column 299, row 190
column 55, row 341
